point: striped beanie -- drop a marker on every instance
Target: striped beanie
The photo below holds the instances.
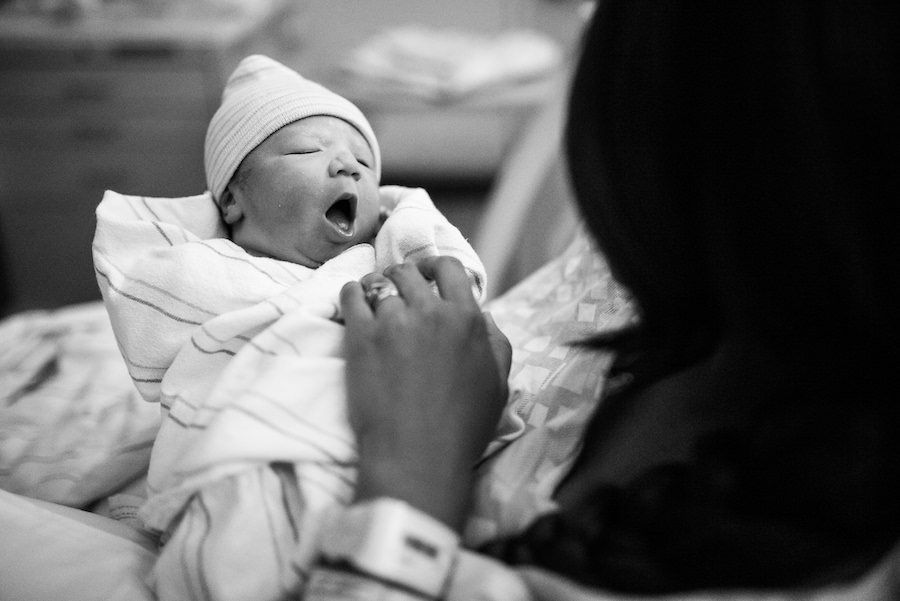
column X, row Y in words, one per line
column 261, row 97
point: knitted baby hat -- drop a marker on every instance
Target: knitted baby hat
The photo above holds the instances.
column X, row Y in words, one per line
column 261, row 97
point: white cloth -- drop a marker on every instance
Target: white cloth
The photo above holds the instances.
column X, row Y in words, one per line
column 51, row 552
column 436, row 64
column 244, row 354
column 72, row 426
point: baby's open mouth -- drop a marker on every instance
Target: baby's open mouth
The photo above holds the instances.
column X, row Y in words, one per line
column 343, row 213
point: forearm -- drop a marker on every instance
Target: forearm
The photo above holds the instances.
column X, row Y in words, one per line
column 424, row 393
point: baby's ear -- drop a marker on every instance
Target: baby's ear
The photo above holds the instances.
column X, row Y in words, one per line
column 229, row 208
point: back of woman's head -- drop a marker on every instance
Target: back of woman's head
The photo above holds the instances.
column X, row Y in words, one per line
column 738, row 163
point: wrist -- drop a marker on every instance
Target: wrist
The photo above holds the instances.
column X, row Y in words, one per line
column 441, row 491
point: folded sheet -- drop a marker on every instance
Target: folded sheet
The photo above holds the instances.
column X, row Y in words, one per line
column 442, row 65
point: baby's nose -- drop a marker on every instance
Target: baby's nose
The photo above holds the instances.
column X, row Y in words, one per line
column 345, row 164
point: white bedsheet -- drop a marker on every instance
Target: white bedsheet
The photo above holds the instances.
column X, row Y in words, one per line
column 73, row 428
column 49, row 552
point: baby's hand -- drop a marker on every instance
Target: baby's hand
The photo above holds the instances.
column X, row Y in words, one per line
column 391, row 196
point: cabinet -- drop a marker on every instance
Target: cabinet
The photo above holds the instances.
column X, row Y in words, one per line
column 105, row 102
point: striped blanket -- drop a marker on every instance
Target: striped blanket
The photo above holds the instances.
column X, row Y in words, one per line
column 244, row 355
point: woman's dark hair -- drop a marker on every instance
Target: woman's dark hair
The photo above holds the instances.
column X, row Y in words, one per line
column 738, row 166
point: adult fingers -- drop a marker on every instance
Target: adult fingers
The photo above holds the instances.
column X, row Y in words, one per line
column 412, row 285
column 354, row 307
column 452, row 280
column 500, row 345
column 380, row 290
column 371, row 278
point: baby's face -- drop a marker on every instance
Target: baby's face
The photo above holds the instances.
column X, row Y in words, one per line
column 306, row 194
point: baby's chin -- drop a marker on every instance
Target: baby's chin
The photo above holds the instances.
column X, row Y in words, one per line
column 323, row 256
column 287, row 256
column 312, row 257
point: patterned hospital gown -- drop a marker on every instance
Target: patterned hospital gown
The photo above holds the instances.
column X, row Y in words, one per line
column 555, row 385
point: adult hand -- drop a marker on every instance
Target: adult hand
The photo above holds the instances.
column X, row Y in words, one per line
column 424, row 386
column 501, row 348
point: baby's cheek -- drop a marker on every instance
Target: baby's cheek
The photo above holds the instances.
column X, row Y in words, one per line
column 371, row 215
column 372, row 230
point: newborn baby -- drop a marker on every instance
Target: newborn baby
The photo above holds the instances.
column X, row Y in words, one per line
column 225, row 307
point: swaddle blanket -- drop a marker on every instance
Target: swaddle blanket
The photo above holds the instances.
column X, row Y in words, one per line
column 244, row 355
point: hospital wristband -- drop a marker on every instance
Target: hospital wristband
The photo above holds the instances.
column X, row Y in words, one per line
column 392, row 542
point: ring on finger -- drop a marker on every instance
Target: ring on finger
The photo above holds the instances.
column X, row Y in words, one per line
column 380, row 291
